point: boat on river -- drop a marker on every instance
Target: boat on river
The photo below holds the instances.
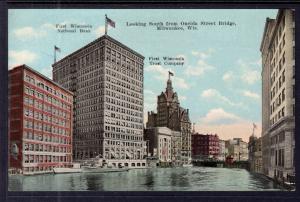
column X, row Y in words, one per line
column 99, row 169
column 75, row 169
column 99, row 165
column 187, row 165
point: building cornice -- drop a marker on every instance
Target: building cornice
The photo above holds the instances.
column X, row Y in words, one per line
column 96, row 41
column 43, row 76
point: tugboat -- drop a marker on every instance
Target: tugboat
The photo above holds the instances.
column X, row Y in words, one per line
column 75, row 169
column 101, row 167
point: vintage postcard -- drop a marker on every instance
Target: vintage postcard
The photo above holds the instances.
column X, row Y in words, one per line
column 151, row 99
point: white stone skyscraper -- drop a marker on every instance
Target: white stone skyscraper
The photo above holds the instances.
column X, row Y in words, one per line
column 278, row 95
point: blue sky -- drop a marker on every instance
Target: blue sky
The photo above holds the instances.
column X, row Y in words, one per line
column 219, row 82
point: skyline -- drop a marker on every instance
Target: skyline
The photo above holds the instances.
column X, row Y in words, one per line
column 216, row 106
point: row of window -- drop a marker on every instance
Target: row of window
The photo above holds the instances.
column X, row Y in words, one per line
column 120, row 143
column 278, row 35
column 278, row 116
column 119, row 81
column 47, row 98
column 46, row 108
column 278, row 85
column 124, row 104
column 123, row 117
column 45, row 159
column 45, row 138
column 129, row 92
column 44, row 117
column 38, row 169
column 280, row 99
column 88, row 109
column 122, row 97
column 279, row 157
column 88, row 123
column 47, row 88
column 127, row 78
column 45, row 127
column 123, row 130
column 46, row 148
column 122, row 59
column 123, row 124
column 124, row 67
column 278, row 138
column 276, row 71
column 90, row 102
column 130, row 112
column 113, row 46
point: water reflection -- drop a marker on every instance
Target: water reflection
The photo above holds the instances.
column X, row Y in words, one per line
column 156, row 179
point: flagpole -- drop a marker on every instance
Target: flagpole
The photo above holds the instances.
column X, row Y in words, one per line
column 54, row 55
column 105, row 24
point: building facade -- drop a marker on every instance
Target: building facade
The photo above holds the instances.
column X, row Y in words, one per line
column 222, row 151
column 107, row 80
column 164, row 144
column 40, row 122
column 170, row 114
column 237, row 149
column 255, row 154
column 205, row 146
column 278, row 95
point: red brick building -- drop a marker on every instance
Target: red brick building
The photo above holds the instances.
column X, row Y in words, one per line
column 205, row 146
column 40, row 122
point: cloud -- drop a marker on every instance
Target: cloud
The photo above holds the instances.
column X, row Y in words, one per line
column 241, row 129
column 227, row 125
column 26, row 33
column 228, row 76
column 202, row 66
column 20, row 57
column 219, row 116
column 203, row 55
column 249, row 75
column 250, row 94
column 215, row 94
column 161, row 73
column 99, row 31
column 49, row 26
column 182, row 98
column 257, row 63
column 198, row 70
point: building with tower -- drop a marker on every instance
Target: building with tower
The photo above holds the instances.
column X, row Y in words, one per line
column 106, row 78
column 255, row 154
column 170, row 114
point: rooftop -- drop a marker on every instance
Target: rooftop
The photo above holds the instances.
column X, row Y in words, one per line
column 97, row 40
column 41, row 75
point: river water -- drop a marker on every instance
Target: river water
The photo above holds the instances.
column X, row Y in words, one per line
column 154, row 179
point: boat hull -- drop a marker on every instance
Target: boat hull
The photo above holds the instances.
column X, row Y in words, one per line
column 67, row 170
column 187, row 165
column 103, row 170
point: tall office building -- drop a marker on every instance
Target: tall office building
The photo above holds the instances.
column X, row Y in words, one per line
column 278, row 95
column 40, row 123
column 107, row 80
column 170, row 114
